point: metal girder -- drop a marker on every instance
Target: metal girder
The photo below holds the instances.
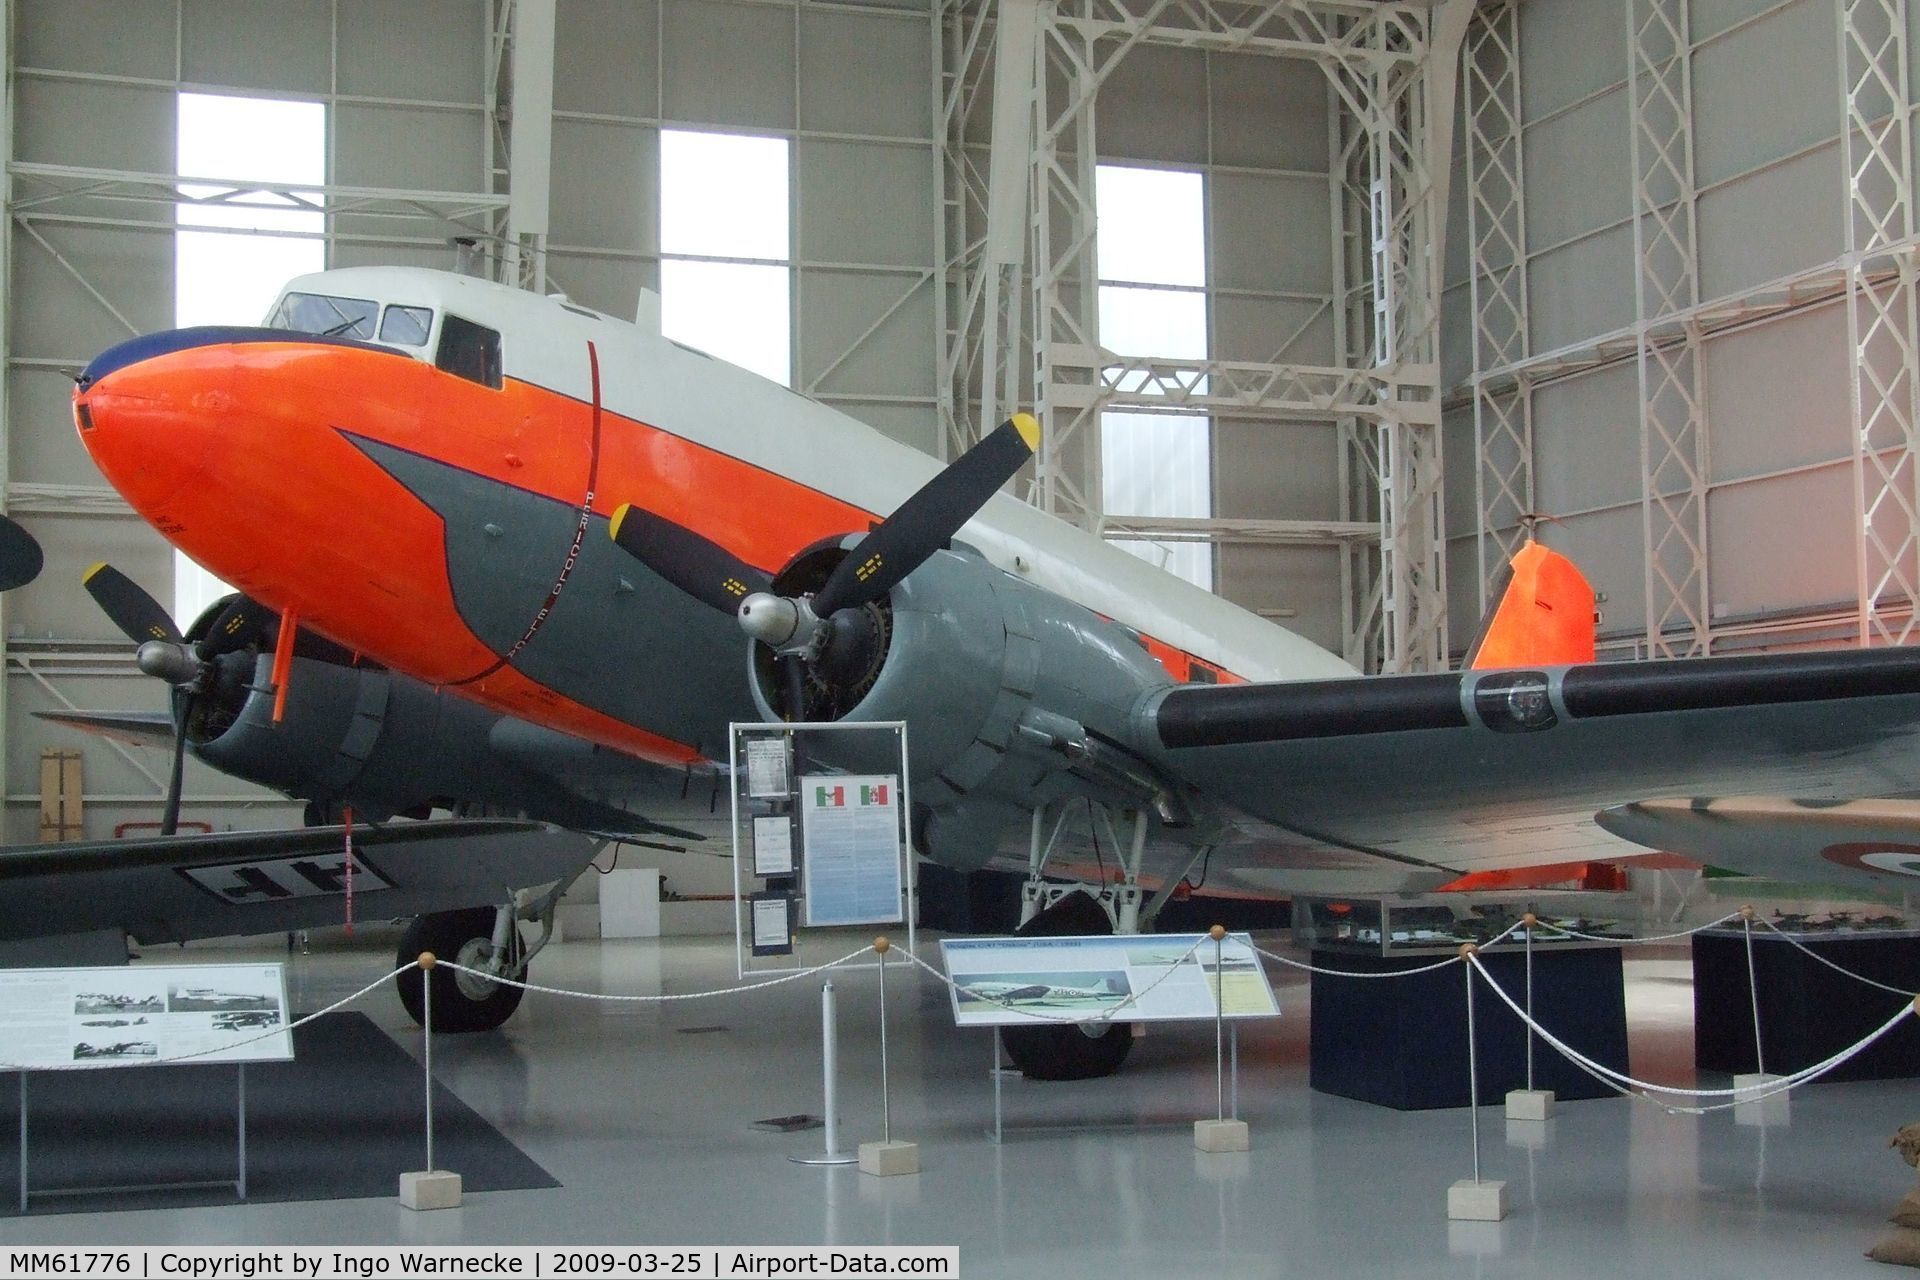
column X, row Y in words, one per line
column 1497, row 275
column 1244, row 389
column 1290, row 533
column 1877, row 142
column 1673, row 411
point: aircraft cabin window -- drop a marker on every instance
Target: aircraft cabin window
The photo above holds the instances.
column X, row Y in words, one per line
column 469, row 350
column 407, row 326
column 332, row 317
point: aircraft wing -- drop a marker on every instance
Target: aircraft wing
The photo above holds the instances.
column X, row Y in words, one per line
column 136, row 728
column 1480, row 770
column 175, row 888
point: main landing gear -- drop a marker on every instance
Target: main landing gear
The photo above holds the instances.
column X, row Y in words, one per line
column 486, row 939
column 1089, row 1050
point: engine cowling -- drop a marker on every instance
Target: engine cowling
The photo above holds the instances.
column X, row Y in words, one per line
column 1012, row 695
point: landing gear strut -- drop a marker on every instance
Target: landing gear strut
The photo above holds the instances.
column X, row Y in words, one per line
column 486, row 939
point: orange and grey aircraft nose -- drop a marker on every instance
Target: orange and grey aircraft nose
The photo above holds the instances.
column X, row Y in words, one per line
column 153, row 409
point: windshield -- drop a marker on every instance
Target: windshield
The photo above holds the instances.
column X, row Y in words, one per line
column 318, row 313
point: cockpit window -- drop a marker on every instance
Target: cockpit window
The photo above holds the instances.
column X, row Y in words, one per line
column 469, row 350
column 322, row 314
column 406, row 326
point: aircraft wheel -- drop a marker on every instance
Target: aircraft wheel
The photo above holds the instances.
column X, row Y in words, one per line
column 1068, row 1053
column 460, row 1002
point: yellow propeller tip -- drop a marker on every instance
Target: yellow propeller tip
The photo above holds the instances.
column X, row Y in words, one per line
column 91, row 570
column 1029, row 428
column 619, row 514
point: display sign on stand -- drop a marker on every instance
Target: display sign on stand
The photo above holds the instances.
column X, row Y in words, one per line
column 819, row 821
column 1161, row 977
column 120, row 1015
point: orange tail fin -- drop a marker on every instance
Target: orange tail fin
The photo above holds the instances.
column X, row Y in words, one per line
column 1543, row 618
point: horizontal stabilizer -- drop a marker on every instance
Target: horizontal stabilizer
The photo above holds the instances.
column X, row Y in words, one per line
column 242, row 882
column 1874, row 842
column 137, row 728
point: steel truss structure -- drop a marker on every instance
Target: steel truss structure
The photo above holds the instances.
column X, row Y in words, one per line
column 1040, row 67
column 1874, row 279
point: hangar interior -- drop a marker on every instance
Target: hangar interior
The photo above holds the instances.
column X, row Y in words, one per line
column 1634, row 275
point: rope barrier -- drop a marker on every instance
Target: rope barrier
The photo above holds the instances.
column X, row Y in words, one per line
column 1739, row 1096
column 1657, row 937
column 1076, row 1020
column 224, row 1048
column 1502, row 936
column 1857, row 977
column 793, row 976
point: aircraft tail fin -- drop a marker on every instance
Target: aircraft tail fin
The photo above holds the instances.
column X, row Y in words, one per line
column 1542, row 615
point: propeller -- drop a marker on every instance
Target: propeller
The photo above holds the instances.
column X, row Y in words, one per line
column 831, row 636
column 165, row 653
column 20, row 556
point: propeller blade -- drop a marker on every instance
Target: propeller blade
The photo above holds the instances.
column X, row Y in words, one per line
column 137, row 614
column 923, row 523
column 20, row 557
column 170, row 816
column 698, row 566
column 234, row 628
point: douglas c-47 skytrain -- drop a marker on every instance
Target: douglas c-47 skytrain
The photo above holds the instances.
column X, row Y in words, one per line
column 500, row 554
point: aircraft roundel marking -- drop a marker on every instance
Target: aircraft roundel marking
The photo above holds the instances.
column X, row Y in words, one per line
column 1885, row 857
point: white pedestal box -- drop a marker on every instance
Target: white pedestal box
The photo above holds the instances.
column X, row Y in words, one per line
column 1530, row 1104
column 1220, row 1135
column 630, row 903
column 1470, row 1201
column 432, row 1189
column 886, row 1159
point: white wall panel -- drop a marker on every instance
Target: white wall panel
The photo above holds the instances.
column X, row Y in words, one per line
column 1154, row 107
column 283, row 47
column 1774, row 563
column 1586, row 433
column 1578, row 176
column 865, row 74
column 1271, row 232
column 1579, row 290
column 1305, row 580
column 1766, row 91
column 606, row 58
column 1268, row 113
column 1568, row 50
column 53, row 316
column 441, row 56
column 837, row 307
column 1779, row 395
column 605, row 191
column 1272, row 330
column 728, row 64
column 443, row 149
column 1609, row 547
column 113, row 37
column 1711, row 17
column 1783, row 219
column 106, row 126
column 862, row 203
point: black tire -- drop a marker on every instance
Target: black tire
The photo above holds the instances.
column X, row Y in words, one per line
column 456, row 1007
column 1067, row 1053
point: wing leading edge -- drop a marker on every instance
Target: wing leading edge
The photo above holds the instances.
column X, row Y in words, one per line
column 1477, row 770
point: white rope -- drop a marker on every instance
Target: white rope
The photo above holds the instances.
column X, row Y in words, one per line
column 224, row 1048
column 1857, row 977
column 793, row 976
column 1657, row 937
column 1749, row 1094
column 1103, row 1015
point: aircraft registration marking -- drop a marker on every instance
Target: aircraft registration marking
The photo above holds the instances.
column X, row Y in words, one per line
column 281, row 879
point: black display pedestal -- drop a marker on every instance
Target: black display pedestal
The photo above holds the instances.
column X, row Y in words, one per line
column 1402, row 1042
column 1808, row 1012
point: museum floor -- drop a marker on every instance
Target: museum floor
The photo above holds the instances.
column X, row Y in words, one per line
column 643, row 1112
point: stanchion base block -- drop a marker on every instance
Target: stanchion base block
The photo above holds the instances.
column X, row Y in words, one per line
column 1470, row 1201
column 888, row 1159
column 1530, row 1104
column 1773, row 1110
column 1220, row 1135
column 431, row 1189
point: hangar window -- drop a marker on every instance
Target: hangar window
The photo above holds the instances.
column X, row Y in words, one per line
column 470, row 351
column 241, row 234
column 726, row 273
column 1152, row 255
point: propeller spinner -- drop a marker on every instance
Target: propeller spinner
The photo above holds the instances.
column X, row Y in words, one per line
column 826, row 630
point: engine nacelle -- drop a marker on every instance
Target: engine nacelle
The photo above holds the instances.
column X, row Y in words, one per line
column 1013, row 697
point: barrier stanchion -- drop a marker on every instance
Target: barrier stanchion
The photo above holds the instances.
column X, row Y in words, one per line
column 829, row 1072
column 1474, row 1200
column 1529, row 1103
column 1220, row 1133
column 1769, row 1107
column 430, row 1188
column 887, row 1157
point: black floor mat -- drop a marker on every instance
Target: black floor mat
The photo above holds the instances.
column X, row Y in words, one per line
column 343, row 1120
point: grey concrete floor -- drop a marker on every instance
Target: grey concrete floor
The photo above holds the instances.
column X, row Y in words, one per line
column 643, row 1111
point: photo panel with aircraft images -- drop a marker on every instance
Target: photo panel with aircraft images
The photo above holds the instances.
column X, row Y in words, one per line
column 1016, row 981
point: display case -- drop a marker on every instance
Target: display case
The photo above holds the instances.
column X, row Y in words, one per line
column 1433, row 923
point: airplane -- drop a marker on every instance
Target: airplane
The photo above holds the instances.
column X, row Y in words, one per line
column 506, row 557
column 209, row 995
column 1041, row 992
column 124, row 1049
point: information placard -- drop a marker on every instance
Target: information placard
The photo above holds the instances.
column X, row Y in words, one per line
column 772, row 924
column 773, row 845
column 133, row 1015
column 767, row 768
column 850, row 848
column 1160, row 977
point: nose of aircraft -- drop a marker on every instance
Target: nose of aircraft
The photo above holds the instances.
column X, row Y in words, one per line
column 152, row 410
